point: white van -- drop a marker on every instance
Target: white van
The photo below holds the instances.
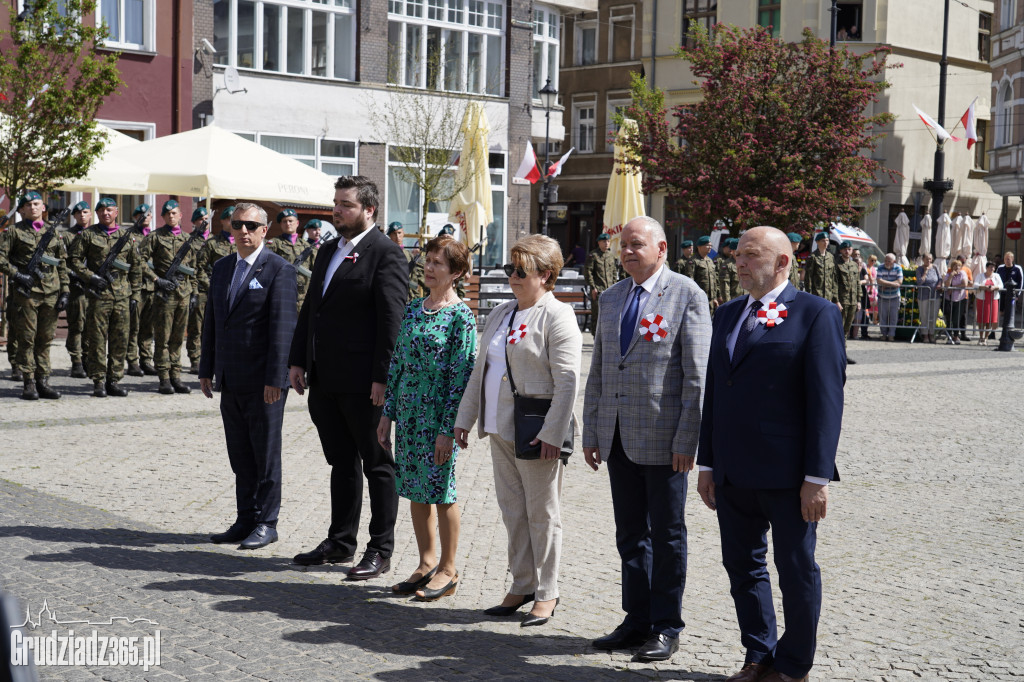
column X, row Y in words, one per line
column 839, row 232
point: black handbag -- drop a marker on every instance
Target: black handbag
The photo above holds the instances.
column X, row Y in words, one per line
column 528, row 415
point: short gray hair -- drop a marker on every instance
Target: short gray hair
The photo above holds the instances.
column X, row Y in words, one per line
column 657, row 231
column 243, row 206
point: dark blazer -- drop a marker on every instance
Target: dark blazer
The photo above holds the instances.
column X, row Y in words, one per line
column 774, row 415
column 345, row 337
column 246, row 347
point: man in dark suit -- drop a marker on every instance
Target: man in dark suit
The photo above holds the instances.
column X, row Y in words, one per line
column 777, row 360
column 249, row 322
column 342, row 348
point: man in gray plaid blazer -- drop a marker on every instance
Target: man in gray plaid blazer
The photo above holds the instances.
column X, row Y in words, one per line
column 642, row 414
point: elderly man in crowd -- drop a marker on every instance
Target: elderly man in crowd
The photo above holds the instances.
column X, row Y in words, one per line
column 1013, row 281
column 889, row 280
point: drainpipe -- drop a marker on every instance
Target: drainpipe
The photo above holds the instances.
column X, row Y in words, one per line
column 176, row 73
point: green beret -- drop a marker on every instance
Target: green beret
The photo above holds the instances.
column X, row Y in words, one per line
column 287, row 213
column 794, row 237
column 703, row 241
column 687, row 243
column 106, row 202
column 169, row 205
column 313, row 224
column 199, row 213
column 603, row 236
column 141, row 208
column 27, row 197
column 393, row 227
column 81, row 206
column 821, row 235
column 447, row 229
column 846, row 245
column 732, row 242
column 226, row 213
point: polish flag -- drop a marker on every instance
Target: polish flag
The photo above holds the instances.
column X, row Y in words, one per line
column 940, row 132
column 528, row 169
column 970, row 123
column 556, row 167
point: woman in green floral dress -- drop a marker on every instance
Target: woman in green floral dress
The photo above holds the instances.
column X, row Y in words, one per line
column 429, row 371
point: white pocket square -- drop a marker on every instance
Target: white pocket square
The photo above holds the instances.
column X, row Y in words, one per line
column 255, row 284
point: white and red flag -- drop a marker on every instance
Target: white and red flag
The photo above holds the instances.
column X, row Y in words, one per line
column 939, row 131
column 528, row 169
column 556, row 167
column 970, row 123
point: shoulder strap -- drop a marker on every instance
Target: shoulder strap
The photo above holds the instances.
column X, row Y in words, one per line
column 508, row 367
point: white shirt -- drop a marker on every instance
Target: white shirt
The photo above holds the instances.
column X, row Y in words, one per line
column 648, row 289
column 730, row 344
column 494, row 371
column 345, row 247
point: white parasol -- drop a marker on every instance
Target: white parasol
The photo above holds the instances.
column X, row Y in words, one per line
column 980, row 247
column 942, row 242
column 926, row 234
column 902, row 239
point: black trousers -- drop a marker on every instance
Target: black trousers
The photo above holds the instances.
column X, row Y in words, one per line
column 253, row 433
column 347, row 424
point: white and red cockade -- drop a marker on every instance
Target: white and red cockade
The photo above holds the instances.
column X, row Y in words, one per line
column 773, row 315
column 653, row 328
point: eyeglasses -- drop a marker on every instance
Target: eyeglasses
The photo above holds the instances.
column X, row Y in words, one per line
column 250, row 225
column 513, row 270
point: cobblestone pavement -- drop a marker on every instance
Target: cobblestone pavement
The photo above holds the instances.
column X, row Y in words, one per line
column 106, row 505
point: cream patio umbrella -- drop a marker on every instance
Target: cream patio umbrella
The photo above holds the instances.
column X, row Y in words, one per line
column 966, row 239
column 942, row 242
column 471, row 206
column 625, row 199
column 211, row 162
column 980, row 246
column 902, row 239
column 116, row 176
column 926, row 234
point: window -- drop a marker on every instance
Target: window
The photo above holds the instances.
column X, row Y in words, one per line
column 585, row 43
column 1007, row 14
column 547, row 25
column 1004, row 116
column 984, row 37
column 302, row 37
column 334, row 157
column 620, row 36
column 584, row 127
column 126, row 203
column 452, row 45
column 616, row 107
column 130, row 23
column 849, row 26
column 702, row 13
column 981, row 146
column 769, row 14
column 337, row 157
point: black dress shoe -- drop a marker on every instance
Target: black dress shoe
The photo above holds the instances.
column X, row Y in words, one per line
column 622, row 637
column 410, row 587
column 238, row 531
column 531, row 619
column 851, row 361
column 508, row 610
column 372, row 565
column 659, row 647
column 327, row 552
column 261, row 536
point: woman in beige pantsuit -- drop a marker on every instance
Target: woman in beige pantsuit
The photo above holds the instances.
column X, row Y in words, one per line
column 544, row 354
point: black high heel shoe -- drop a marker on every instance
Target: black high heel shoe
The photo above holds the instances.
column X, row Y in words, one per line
column 411, row 587
column 531, row 619
column 426, row 594
column 508, row 610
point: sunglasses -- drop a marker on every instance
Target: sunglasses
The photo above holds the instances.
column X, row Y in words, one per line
column 250, row 225
column 513, row 270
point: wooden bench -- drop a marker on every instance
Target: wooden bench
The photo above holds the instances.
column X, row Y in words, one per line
column 485, row 292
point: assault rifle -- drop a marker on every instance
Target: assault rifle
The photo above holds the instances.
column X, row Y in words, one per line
column 23, row 279
column 103, row 277
column 176, row 271
column 304, row 256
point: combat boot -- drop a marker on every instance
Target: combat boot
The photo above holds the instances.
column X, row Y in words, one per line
column 115, row 390
column 78, row 371
column 178, row 386
column 134, row 370
column 28, row 392
column 148, row 369
column 165, row 387
column 97, row 389
column 44, row 389
column 16, row 374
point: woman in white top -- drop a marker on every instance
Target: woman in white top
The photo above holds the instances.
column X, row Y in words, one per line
column 988, row 302
column 542, row 341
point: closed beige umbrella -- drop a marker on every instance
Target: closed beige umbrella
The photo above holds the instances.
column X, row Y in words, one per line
column 625, row 199
column 472, row 206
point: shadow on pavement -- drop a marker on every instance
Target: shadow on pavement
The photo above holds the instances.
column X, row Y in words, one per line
column 125, row 537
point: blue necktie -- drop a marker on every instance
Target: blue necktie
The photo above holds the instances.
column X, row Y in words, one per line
column 236, row 281
column 628, row 325
column 743, row 337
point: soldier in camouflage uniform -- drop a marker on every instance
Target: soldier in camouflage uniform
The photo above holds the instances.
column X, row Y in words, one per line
column 197, row 304
column 78, row 302
column 820, row 271
column 701, row 269
column 794, row 269
column 686, row 257
column 12, row 343
column 848, row 287
column 600, row 272
column 170, row 307
column 287, row 245
column 216, row 247
column 108, row 318
column 728, row 278
column 311, row 230
column 35, row 319
column 413, row 262
column 140, row 309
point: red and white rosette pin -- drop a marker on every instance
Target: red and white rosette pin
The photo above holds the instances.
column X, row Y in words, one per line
column 516, row 335
column 653, row 328
column 773, row 315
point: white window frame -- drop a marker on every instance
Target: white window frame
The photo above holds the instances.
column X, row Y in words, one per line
column 578, row 106
column 333, row 11
column 1007, row 14
column 578, row 29
column 1004, row 107
column 547, row 31
column 615, row 101
column 148, row 43
column 317, row 158
column 626, row 13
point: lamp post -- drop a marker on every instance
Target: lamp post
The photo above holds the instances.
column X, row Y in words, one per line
column 939, row 185
column 548, row 97
column 832, row 31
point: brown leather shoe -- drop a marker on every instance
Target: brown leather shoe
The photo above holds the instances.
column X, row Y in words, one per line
column 776, row 676
column 752, row 672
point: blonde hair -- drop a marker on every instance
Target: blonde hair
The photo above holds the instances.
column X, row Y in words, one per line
column 537, row 253
column 872, row 258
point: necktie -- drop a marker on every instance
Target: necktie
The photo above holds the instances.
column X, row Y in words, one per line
column 236, row 281
column 743, row 338
column 628, row 325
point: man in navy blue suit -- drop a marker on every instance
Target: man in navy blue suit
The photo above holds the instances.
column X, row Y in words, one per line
column 777, row 359
column 250, row 319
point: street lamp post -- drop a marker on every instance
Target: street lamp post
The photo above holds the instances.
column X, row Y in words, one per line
column 548, row 97
column 835, row 18
column 939, row 185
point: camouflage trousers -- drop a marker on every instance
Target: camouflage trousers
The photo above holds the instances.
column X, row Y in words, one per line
column 12, row 339
column 849, row 315
column 170, row 318
column 194, row 342
column 34, row 325
column 106, row 338
column 76, row 312
column 140, row 332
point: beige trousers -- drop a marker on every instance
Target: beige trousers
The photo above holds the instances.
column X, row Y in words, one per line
column 528, row 493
